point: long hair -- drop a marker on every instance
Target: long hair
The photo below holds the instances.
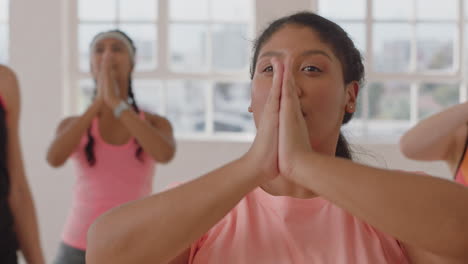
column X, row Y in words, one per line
column 4, row 177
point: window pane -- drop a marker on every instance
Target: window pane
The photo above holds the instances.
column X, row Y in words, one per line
column 389, row 101
column 4, row 43
column 389, row 110
column 466, row 48
column 357, row 32
column 436, row 46
column 343, row 9
column 437, row 9
column 188, row 47
column 392, row 47
column 144, row 36
column 231, row 101
column 396, row 9
column 230, row 47
column 86, row 33
column 435, row 97
column 138, row 10
column 4, row 10
column 466, row 9
column 149, row 95
column 186, row 101
column 237, row 10
column 188, row 9
column 102, row 10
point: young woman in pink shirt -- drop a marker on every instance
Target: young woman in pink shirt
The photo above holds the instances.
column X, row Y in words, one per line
column 114, row 144
column 296, row 196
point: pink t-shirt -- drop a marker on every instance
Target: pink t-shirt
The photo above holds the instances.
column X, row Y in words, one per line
column 266, row 229
column 117, row 178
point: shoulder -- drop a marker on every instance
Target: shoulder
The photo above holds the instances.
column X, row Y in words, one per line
column 6, row 73
column 9, row 89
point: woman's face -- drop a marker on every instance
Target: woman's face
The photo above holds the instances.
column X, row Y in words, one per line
column 120, row 57
column 318, row 77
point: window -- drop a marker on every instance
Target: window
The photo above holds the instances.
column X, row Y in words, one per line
column 4, row 32
column 192, row 59
column 412, row 51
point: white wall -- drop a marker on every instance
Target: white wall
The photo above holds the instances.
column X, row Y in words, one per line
column 38, row 37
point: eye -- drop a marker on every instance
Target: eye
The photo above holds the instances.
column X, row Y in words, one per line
column 117, row 49
column 268, row 69
column 99, row 50
column 311, row 69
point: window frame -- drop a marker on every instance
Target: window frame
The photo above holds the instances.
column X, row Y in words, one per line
column 413, row 77
column 162, row 73
column 6, row 22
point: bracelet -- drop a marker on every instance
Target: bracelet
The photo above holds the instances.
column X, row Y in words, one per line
column 120, row 108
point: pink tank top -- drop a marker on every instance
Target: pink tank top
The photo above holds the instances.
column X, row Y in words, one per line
column 117, row 177
column 266, row 229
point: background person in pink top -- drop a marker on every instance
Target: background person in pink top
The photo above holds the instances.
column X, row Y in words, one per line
column 18, row 220
column 114, row 145
column 443, row 136
column 296, row 196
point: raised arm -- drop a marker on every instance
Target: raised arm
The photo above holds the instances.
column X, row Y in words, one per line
column 438, row 137
column 69, row 133
column 154, row 134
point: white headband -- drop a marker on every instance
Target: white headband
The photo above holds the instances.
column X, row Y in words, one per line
column 118, row 36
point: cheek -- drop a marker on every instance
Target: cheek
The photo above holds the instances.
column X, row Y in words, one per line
column 125, row 64
column 260, row 92
column 95, row 65
column 327, row 101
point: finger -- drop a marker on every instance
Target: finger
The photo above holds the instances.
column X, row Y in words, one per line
column 289, row 88
column 275, row 93
column 289, row 98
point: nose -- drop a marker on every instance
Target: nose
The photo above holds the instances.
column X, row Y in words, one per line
column 290, row 77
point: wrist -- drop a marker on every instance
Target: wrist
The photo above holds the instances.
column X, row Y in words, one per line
column 114, row 103
column 97, row 104
column 255, row 169
column 300, row 160
column 119, row 107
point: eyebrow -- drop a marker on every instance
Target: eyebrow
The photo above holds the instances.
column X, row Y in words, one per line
column 304, row 54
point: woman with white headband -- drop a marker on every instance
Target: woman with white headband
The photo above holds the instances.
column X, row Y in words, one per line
column 114, row 145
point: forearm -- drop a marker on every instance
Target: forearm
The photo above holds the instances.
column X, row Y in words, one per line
column 156, row 229
column 68, row 139
column 434, row 134
column 405, row 205
column 153, row 141
column 26, row 225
